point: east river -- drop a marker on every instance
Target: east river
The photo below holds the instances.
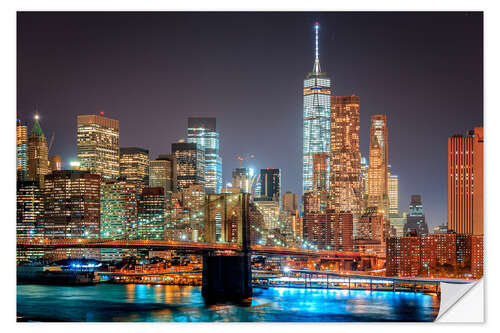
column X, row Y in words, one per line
column 162, row 303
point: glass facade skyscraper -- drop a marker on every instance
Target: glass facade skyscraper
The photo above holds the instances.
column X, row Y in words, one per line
column 270, row 185
column 21, row 151
column 415, row 221
column 378, row 169
column 242, row 179
column 134, row 164
column 190, row 163
column 316, row 125
column 203, row 132
column 97, row 145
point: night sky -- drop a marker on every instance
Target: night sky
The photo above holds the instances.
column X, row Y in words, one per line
column 153, row 70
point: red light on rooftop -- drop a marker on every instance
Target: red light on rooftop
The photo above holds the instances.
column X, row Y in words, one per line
column 102, row 112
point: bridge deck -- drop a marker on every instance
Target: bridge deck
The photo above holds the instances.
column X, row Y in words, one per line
column 184, row 246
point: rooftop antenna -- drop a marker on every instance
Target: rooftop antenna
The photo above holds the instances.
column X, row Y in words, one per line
column 316, row 69
column 316, row 28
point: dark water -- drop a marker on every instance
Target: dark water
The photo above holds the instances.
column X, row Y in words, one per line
column 115, row 302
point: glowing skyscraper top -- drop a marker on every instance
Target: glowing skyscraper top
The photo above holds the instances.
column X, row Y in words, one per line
column 316, row 126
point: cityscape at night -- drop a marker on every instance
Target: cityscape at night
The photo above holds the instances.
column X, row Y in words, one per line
column 249, row 160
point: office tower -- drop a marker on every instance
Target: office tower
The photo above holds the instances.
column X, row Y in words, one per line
column 29, row 212
column 364, row 182
column 241, row 179
column 203, row 132
column 377, row 170
column 290, row 201
column 397, row 222
column 118, row 214
column 320, row 172
column 38, row 159
column 316, row 117
column 315, row 202
column 21, row 151
column 29, row 218
column 162, row 173
column 119, row 209
column 151, row 213
column 415, row 221
column 72, row 204
column 97, row 145
column 189, row 164
column 55, row 163
column 270, row 184
column 393, row 193
column 465, row 182
column 193, row 199
column 330, row 230
column 134, row 164
column 371, row 226
column 345, row 158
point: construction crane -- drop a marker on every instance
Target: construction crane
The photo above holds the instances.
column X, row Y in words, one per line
column 247, row 157
column 51, row 141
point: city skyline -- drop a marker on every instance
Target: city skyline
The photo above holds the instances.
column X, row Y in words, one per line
column 138, row 127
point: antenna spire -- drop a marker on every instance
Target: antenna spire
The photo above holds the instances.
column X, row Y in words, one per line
column 316, row 68
column 316, row 28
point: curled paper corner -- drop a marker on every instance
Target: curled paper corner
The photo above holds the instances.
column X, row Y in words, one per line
column 461, row 303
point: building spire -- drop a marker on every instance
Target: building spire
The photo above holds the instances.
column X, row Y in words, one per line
column 36, row 130
column 316, row 68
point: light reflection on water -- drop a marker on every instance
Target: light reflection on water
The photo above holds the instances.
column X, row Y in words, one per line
column 114, row 302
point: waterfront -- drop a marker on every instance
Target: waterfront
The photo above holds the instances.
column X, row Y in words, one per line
column 161, row 303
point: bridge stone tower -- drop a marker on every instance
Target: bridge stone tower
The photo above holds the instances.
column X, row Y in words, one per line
column 227, row 278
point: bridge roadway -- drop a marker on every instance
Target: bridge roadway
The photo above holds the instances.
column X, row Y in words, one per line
column 191, row 247
column 388, row 279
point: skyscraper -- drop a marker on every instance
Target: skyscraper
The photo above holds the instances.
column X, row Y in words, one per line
column 241, row 179
column 97, row 145
column 393, row 192
column 190, row 162
column 320, row 172
column 134, row 164
column 72, row 204
column 415, row 221
column 151, row 213
column 270, row 185
column 371, row 226
column 29, row 210
column 316, row 118
column 290, row 201
column 118, row 214
column 119, row 209
column 203, row 132
column 345, row 158
column 21, row 151
column 465, row 182
column 38, row 158
column 29, row 217
column 329, row 230
column 162, row 173
column 377, row 170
